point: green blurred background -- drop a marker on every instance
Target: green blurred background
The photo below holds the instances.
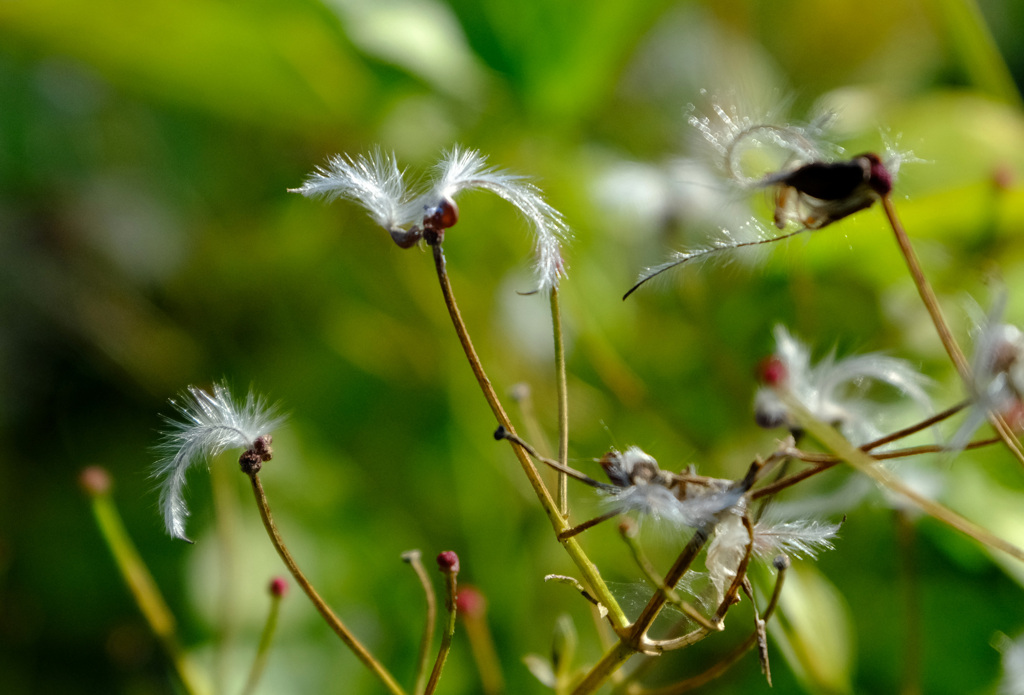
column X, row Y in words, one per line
column 147, row 242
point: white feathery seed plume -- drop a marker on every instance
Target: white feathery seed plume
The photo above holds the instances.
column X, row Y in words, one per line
column 210, row 423
column 812, row 182
column 376, row 183
column 997, row 373
column 829, row 388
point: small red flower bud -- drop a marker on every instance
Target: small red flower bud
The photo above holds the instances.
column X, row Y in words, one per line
column 278, row 586
column 448, row 562
column 772, row 371
column 471, row 602
column 95, row 480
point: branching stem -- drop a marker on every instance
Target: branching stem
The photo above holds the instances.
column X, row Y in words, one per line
column 867, row 465
column 558, row 522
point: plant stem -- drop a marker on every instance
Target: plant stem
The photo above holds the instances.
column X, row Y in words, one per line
column 628, row 533
column 603, row 669
column 451, row 590
column 414, row 558
column 263, row 650
column 867, row 465
column 563, row 402
column 723, row 665
column 558, row 522
column 145, row 591
column 675, row 573
column 924, row 289
column 914, row 429
column 945, row 335
column 481, row 643
column 906, row 533
column 332, row 620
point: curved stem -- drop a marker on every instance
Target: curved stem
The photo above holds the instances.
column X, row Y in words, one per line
column 679, row 568
column 415, row 560
column 945, row 335
column 321, row 606
column 558, row 522
column 734, row 656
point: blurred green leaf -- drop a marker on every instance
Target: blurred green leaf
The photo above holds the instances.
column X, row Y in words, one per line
column 814, row 631
column 281, row 67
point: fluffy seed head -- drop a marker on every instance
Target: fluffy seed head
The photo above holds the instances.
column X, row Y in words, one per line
column 209, row 424
column 829, row 388
column 375, row 182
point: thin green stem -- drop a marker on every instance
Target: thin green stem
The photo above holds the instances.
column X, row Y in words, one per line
column 321, row 606
column 558, row 522
column 611, row 662
column 924, row 289
column 263, row 650
column 145, row 592
column 824, row 462
column 451, row 589
column 917, row 427
column 866, row 464
column 415, row 560
column 563, row 402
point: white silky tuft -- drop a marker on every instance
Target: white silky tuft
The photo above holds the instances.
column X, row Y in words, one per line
column 210, row 424
column 799, row 538
column 462, row 169
column 373, row 181
column 824, row 389
column 997, row 371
